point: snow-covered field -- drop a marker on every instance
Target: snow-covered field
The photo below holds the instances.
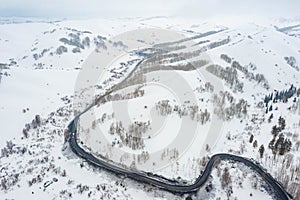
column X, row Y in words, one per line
column 51, row 69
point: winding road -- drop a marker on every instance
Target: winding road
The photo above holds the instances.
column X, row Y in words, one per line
column 161, row 182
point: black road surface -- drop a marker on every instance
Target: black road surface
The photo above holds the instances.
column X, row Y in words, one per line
column 164, row 183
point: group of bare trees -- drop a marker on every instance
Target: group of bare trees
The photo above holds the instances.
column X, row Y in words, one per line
column 289, row 180
column 143, row 157
column 123, row 68
column 100, row 191
column 163, row 51
column 119, row 44
column 138, row 92
column 283, row 165
column 8, row 149
column 170, row 154
column 208, row 87
column 37, row 56
column 74, row 40
column 118, row 72
column 237, row 109
column 295, row 108
column 226, row 58
column 36, row 122
column 286, row 169
column 61, row 49
column 99, row 41
column 9, row 181
column 29, row 162
column 291, row 61
column 158, row 65
column 164, row 59
column 164, row 108
column 102, row 119
column 229, row 75
column 136, row 79
column 259, row 78
column 5, row 66
column 133, row 137
column 226, row 180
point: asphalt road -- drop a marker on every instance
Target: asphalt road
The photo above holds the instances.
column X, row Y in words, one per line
column 164, row 183
column 170, row 185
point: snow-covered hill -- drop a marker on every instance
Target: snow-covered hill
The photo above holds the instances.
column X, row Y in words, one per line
column 242, row 96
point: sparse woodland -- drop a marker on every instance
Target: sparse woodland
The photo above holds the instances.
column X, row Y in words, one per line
column 131, row 137
column 164, row 108
column 226, row 107
column 35, row 159
column 229, row 75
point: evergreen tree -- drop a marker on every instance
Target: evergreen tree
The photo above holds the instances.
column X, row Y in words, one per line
column 270, row 118
column 255, row 144
column 281, row 123
column 251, row 138
column 275, row 131
column 261, row 151
column 271, row 108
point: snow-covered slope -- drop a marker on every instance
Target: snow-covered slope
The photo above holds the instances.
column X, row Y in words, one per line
column 246, row 83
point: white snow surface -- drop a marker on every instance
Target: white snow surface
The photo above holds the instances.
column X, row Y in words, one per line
column 45, row 85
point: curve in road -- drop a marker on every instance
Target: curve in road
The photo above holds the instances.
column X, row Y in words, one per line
column 170, row 185
column 159, row 181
